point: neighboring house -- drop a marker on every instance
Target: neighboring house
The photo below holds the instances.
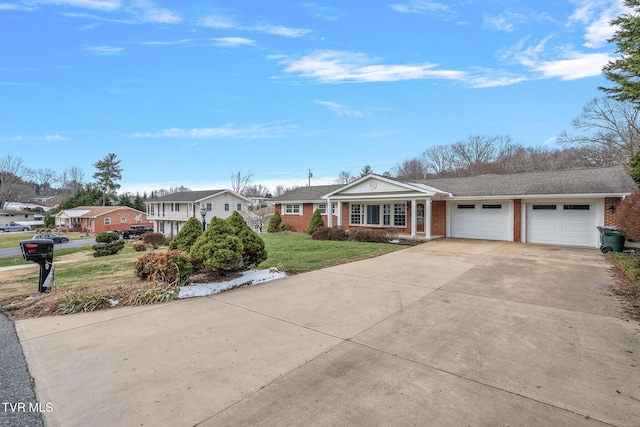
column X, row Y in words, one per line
column 557, row 207
column 26, row 218
column 97, row 219
column 170, row 213
column 48, row 201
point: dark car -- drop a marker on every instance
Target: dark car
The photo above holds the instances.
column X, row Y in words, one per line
column 57, row 238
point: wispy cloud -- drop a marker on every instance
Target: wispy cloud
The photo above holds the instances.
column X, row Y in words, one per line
column 229, row 131
column 596, row 16
column 340, row 109
column 423, row 7
column 147, row 11
column 219, row 41
column 104, row 5
column 227, row 23
column 233, row 41
column 329, row 66
column 55, row 137
column 105, row 50
column 321, row 11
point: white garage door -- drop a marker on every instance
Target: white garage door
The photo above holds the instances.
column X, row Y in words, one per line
column 572, row 224
column 480, row 221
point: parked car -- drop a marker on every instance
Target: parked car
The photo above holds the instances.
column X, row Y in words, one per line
column 57, row 238
column 13, row 227
column 135, row 230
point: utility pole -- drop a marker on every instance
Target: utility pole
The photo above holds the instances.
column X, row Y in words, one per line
column 310, row 175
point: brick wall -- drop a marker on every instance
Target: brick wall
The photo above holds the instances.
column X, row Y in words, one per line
column 438, row 218
column 116, row 224
column 609, row 217
column 517, row 216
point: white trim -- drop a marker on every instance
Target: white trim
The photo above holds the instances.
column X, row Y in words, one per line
column 299, row 205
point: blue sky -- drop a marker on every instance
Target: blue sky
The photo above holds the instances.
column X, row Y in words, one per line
column 189, row 92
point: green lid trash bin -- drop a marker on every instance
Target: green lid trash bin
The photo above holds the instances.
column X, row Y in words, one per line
column 611, row 240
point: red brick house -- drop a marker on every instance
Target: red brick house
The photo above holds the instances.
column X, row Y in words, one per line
column 554, row 207
column 96, row 219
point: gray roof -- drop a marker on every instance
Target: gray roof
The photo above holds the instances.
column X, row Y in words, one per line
column 613, row 180
column 186, row 196
column 306, row 194
column 610, row 180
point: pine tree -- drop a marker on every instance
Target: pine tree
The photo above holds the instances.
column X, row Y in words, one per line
column 316, row 222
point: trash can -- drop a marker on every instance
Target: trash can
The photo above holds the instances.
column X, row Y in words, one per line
column 611, row 240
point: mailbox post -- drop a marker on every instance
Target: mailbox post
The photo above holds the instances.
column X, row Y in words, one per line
column 40, row 251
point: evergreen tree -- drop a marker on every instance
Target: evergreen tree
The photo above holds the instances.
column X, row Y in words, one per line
column 315, row 223
column 274, row 223
column 634, row 166
column 107, row 174
column 254, row 252
column 219, row 247
column 187, row 236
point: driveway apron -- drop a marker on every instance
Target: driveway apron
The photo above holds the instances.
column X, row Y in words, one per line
column 447, row 333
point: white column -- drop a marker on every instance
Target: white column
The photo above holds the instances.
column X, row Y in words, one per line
column 427, row 219
column 414, row 218
column 339, row 213
column 329, row 214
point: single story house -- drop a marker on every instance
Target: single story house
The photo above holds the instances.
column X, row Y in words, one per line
column 554, row 207
column 97, row 219
column 26, row 218
column 169, row 213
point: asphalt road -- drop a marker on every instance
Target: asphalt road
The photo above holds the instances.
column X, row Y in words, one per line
column 15, row 251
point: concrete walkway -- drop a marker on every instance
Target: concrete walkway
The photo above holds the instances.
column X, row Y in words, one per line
column 448, row 333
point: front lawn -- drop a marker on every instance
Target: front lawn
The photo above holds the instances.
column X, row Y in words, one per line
column 112, row 277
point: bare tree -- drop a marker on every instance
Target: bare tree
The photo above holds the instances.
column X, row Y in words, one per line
column 44, row 178
column 256, row 191
column 345, row 177
column 608, row 125
column 410, row 169
column 240, row 182
column 281, row 189
column 72, row 179
column 438, row 160
column 12, row 172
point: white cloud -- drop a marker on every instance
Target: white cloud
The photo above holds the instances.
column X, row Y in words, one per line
column 339, row 109
column 105, row 50
column 328, row 66
column 233, row 41
column 574, row 66
column 147, row 11
column 422, row 7
column 596, row 16
column 226, row 23
column 55, row 137
column 277, row 30
column 105, row 5
column 269, row 130
column 218, row 21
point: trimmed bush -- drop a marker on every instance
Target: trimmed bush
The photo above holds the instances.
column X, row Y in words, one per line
column 105, row 249
column 153, row 239
column 139, row 246
column 172, row 267
column 253, row 252
column 219, row 247
column 316, row 222
column 107, row 237
column 274, row 223
column 186, row 237
column 327, row 233
column 368, row 235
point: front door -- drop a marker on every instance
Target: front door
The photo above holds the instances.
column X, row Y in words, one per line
column 420, row 217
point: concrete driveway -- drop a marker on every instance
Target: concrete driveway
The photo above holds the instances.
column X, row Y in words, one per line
column 448, row 333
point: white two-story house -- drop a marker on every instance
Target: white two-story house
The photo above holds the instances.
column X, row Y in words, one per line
column 170, row 213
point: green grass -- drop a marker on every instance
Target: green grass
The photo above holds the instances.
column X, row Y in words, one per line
column 629, row 264
column 8, row 240
column 19, row 260
column 299, row 252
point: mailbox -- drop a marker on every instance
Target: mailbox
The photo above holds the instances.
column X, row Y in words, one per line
column 37, row 249
column 40, row 251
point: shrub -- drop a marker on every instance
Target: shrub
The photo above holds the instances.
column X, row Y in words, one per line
column 219, row 247
column 107, row 237
column 327, row 233
column 285, row 227
column 154, row 239
column 253, row 252
column 190, row 232
column 172, row 267
column 368, row 235
column 139, row 246
column 274, row 223
column 628, row 216
column 316, row 222
column 105, row 249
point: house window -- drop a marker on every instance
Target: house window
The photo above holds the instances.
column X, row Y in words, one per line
column 208, row 207
column 227, row 206
column 161, row 226
column 544, row 207
column 175, row 207
column 107, row 220
column 292, row 209
column 373, row 214
column 123, row 220
column 466, row 206
column 239, row 207
column 322, row 207
column 356, row 217
column 386, row 215
column 400, row 215
column 496, row 206
column 576, row 207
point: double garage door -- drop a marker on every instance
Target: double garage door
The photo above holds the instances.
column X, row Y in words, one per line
column 561, row 223
column 569, row 223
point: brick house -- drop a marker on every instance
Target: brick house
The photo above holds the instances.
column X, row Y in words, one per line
column 97, row 219
column 553, row 207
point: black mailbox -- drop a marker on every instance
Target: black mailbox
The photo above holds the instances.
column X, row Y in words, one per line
column 40, row 251
column 37, row 249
